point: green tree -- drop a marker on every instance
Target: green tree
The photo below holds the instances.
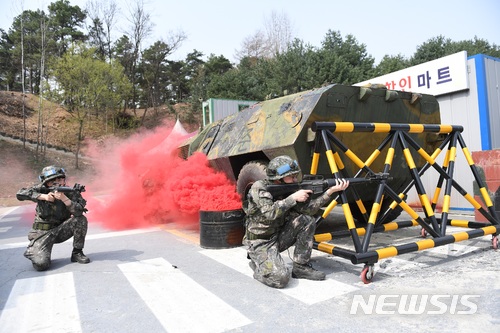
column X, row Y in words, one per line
column 475, row 46
column 97, row 38
column 438, row 47
column 87, row 84
column 64, row 23
column 191, row 64
column 123, row 51
column 27, row 28
column 390, row 64
column 181, row 74
column 154, row 79
column 202, row 73
column 291, row 70
column 242, row 82
column 39, row 31
column 8, row 63
column 434, row 48
column 344, row 61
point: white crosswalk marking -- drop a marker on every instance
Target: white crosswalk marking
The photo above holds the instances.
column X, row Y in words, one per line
column 4, row 214
column 453, row 249
column 13, row 245
column 89, row 237
column 5, row 229
column 179, row 303
column 42, row 304
column 309, row 292
column 9, row 219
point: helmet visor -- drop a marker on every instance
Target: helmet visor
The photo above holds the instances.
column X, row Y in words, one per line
column 291, row 167
column 49, row 172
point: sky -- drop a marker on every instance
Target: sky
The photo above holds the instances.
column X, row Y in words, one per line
column 219, row 27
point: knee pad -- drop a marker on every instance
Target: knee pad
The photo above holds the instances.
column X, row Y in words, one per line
column 42, row 265
column 278, row 279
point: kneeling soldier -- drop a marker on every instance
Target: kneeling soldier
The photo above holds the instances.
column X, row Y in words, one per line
column 58, row 217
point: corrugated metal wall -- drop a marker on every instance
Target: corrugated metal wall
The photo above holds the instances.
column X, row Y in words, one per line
column 215, row 109
column 222, row 108
column 492, row 73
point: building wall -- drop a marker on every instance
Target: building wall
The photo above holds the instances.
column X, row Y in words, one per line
column 215, row 109
column 477, row 110
column 489, row 101
column 458, row 108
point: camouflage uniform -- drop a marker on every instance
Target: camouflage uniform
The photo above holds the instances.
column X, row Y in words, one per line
column 275, row 225
column 54, row 223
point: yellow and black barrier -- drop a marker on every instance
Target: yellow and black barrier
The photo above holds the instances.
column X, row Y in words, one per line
column 398, row 137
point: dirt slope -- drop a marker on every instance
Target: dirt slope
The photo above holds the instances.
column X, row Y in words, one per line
column 19, row 165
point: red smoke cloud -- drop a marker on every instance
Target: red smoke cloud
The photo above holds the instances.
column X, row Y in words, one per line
column 145, row 183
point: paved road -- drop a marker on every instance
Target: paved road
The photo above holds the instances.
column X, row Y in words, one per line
column 161, row 280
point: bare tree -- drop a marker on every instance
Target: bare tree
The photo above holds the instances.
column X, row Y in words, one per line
column 174, row 39
column 140, row 28
column 41, row 139
column 279, row 33
column 253, row 46
column 274, row 40
column 104, row 12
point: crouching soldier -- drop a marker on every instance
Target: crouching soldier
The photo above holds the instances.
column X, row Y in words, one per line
column 275, row 224
column 58, row 217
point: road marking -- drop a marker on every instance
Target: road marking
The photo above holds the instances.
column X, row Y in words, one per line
column 180, row 304
column 89, row 237
column 42, row 304
column 6, row 211
column 5, row 229
column 9, row 219
column 13, row 245
column 121, row 233
column 191, row 237
column 306, row 291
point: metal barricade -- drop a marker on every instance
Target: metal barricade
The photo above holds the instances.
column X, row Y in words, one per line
column 398, row 137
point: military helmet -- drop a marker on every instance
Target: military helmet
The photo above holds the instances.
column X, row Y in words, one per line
column 282, row 166
column 51, row 172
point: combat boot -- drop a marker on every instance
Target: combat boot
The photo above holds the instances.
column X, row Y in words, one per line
column 305, row 271
column 79, row 257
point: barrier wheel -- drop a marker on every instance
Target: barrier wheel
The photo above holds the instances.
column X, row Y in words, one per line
column 494, row 242
column 367, row 274
column 424, row 233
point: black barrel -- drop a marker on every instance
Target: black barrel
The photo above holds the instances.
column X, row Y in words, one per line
column 222, row 229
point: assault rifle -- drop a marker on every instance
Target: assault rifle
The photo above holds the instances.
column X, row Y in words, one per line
column 317, row 184
column 64, row 189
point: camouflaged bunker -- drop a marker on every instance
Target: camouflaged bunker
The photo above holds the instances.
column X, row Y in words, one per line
column 241, row 144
